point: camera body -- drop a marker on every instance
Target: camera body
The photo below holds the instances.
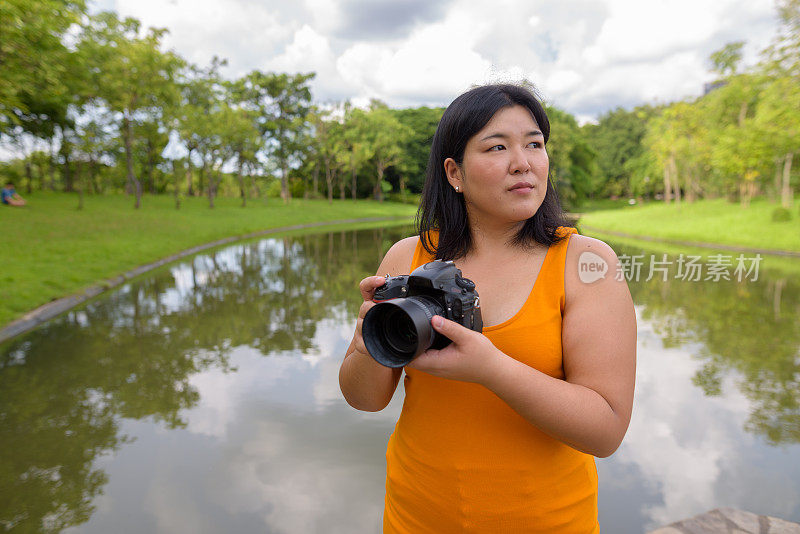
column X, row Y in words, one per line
column 397, row 329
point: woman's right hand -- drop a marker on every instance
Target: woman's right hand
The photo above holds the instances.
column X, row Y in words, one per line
column 366, row 384
column 367, row 286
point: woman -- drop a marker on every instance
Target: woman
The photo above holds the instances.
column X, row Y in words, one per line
column 499, row 430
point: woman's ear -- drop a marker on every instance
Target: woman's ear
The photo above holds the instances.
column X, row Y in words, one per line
column 453, row 173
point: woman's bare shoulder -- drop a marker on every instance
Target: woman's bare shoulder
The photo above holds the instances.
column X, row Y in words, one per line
column 398, row 258
column 590, row 263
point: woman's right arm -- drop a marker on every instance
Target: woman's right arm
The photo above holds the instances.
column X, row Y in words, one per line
column 366, row 384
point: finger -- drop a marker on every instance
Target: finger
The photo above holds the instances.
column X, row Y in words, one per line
column 369, row 284
column 365, row 307
column 360, row 347
column 450, row 329
column 425, row 361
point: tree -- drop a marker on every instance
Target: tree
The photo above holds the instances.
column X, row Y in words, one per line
column 778, row 115
column 357, row 151
column 281, row 102
column 416, row 147
column 132, row 77
column 572, row 160
column 201, row 92
column 617, row 139
column 34, row 60
column 384, row 136
column 329, row 144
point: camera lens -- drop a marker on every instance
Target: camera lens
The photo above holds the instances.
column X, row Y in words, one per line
column 397, row 331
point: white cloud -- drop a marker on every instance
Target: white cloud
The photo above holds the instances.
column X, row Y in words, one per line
column 664, row 440
column 586, row 56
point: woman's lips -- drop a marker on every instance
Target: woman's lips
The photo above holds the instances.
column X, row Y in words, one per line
column 522, row 187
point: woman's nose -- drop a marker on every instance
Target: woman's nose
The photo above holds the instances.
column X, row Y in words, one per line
column 519, row 163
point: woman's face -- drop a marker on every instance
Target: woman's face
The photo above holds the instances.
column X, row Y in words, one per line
column 503, row 175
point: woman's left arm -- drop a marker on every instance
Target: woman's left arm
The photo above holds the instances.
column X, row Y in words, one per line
column 591, row 408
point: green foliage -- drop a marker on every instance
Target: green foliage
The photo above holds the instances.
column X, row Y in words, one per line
column 624, row 165
column 131, row 77
column 36, row 64
column 421, row 123
column 106, row 105
column 573, row 161
column 280, row 104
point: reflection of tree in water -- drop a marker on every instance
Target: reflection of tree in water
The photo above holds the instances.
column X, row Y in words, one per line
column 750, row 327
column 65, row 387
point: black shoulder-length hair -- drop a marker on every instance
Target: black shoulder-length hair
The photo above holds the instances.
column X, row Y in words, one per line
column 443, row 210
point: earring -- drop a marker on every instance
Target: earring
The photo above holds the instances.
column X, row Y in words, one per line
column 458, row 189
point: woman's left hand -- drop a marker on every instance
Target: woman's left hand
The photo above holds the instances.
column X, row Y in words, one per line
column 470, row 357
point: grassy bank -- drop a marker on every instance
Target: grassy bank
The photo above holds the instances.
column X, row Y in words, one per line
column 706, row 221
column 51, row 249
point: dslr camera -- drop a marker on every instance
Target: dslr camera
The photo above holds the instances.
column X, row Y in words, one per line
column 398, row 328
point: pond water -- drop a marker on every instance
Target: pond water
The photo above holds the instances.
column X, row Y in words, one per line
column 204, row 398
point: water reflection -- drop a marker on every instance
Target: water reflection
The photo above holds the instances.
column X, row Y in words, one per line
column 205, row 398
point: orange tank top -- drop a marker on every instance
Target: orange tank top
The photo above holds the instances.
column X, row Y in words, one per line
column 461, row 460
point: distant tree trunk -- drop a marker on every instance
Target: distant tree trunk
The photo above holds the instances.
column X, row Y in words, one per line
column 285, row 195
column 667, row 183
column 676, row 182
column 127, row 134
column 377, row 191
column 28, row 176
column 80, row 184
column 93, row 176
column 253, row 182
column 51, row 170
column 690, row 185
column 212, row 186
column 176, row 173
column 354, row 185
column 201, row 177
column 315, row 181
column 149, row 165
column 189, row 185
column 341, row 187
column 329, row 175
column 786, row 190
column 240, row 176
column 66, row 168
column 353, row 188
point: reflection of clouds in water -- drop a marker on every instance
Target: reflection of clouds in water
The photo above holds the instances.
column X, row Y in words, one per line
column 221, row 393
column 228, row 260
column 332, row 339
column 297, row 469
column 174, row 510
column 678, row 437
column 294, row 490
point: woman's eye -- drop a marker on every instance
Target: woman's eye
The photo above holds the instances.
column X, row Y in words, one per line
column 534, row 144
column 497, row 147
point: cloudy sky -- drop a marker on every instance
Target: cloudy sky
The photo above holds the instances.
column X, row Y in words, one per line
column 584, row 56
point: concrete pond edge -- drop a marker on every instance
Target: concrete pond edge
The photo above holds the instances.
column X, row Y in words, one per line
column 56, row 307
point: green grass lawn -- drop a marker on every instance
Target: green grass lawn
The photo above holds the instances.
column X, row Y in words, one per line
column 51, row 249
column 704, row 221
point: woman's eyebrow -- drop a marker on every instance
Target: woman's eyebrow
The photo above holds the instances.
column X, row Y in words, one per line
column 532, row 133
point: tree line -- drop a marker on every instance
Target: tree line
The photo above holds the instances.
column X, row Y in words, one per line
column 737, row 140
column 91, row 103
